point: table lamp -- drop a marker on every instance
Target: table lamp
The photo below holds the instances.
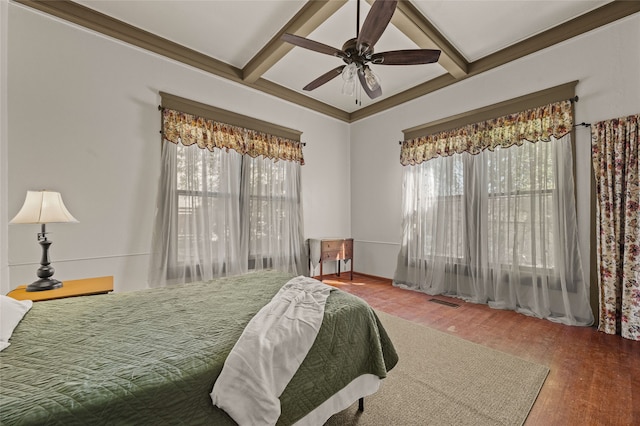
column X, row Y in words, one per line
column 44, row 207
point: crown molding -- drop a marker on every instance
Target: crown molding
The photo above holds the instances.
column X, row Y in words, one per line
column 599, row 17
column 457, row 67
column 104, row 24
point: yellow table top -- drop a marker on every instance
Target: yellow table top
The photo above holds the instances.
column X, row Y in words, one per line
column 83, row 287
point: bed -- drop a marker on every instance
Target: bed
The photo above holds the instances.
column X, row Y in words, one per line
column 152, row 356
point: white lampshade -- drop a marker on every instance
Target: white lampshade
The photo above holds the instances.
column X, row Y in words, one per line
column 43, row 207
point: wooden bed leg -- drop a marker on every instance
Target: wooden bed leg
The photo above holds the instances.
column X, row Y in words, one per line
column 361, row 404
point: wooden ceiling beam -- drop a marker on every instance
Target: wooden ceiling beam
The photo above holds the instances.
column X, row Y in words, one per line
column 310, row 17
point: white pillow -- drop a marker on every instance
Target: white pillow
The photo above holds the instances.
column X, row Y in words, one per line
column 11, row 313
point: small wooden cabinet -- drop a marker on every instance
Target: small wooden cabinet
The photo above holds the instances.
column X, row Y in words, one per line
column 337, row 249
column 84, row 287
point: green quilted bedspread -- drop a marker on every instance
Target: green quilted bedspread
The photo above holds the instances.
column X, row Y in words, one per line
column 151, row 357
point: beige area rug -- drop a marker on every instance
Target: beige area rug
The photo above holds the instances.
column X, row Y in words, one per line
column 444, row 380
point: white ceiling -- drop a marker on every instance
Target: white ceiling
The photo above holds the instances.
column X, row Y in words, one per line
column 235, row 31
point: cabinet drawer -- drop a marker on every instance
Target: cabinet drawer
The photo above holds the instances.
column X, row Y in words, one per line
column 332, row 245
column 337, row 249
column 332, row 255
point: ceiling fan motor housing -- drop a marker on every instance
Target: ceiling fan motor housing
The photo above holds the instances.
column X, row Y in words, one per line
column 350, row 47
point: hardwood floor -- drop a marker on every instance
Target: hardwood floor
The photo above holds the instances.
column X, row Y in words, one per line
column 594, row 377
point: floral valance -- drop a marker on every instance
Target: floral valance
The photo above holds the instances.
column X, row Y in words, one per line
column 534, row 125
column 188, row 129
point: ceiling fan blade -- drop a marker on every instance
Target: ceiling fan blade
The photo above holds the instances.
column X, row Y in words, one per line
column 406, row 57
column 363, row 81
column 324, row 78
column 312, row 45
column 374, row 25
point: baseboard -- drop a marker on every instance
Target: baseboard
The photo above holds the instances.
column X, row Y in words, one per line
column 334, row 275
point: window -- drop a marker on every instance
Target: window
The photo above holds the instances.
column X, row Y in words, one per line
column 497, row 226
column 521, row 183
column 207, row 203
column 501, row 200
column 228, row 201
column 489, row 209
column 273, row 212
column 439, row 191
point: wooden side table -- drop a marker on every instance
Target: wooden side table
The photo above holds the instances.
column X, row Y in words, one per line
column 84, row 287
column 331, row 249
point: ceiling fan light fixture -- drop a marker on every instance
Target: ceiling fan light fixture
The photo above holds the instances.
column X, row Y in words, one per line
column 348, row 87
column 373, row 81
column 349, row 76
column 349, row 72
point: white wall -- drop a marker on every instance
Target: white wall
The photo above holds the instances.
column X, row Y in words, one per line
column 84, row 121
column 606, row 61
column 4, row 238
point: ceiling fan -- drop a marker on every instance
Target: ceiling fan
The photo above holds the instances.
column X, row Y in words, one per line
column 358, row 52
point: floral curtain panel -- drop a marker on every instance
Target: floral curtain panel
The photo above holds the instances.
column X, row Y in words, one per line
column 188, row 129
column 536, row 124
column 616, row 162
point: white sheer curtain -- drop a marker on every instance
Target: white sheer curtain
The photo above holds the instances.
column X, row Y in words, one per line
column 272, row 215
column 222, row 213
column 498, row 227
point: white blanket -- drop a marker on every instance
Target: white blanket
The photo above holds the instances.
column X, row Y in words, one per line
column 269, row 352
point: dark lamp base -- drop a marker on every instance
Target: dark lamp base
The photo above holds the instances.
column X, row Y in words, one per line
column 44, row 284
